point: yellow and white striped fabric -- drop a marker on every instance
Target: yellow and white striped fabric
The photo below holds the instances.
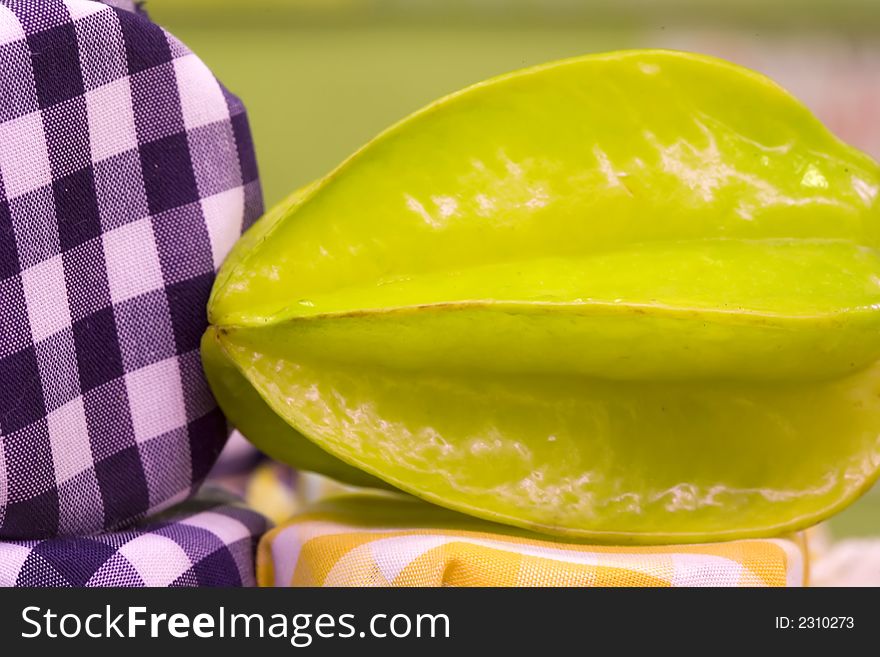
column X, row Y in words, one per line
column 385, row 540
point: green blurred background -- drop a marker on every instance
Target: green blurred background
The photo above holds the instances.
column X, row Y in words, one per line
column 321, row 77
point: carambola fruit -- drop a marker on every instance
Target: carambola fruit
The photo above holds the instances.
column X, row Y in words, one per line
column 629, row 298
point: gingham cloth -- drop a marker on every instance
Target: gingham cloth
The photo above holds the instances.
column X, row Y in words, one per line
column 201, row 543
column 384, row 540
column 126, row 173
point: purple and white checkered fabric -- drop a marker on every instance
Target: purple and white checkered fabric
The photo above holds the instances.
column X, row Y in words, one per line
column 126, row 174
column 210, row 546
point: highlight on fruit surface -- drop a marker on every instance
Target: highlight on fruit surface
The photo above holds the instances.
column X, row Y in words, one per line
column 629, row 298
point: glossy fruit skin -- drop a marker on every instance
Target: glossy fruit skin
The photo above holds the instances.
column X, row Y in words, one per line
column 628, row 298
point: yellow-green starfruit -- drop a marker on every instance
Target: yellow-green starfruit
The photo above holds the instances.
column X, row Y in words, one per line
column 629, row 298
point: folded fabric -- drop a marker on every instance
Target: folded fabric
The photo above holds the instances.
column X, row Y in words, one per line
column 126, row 174
column 388, row 540
column 238, row 458
column 274, row 489
column 200, row 543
